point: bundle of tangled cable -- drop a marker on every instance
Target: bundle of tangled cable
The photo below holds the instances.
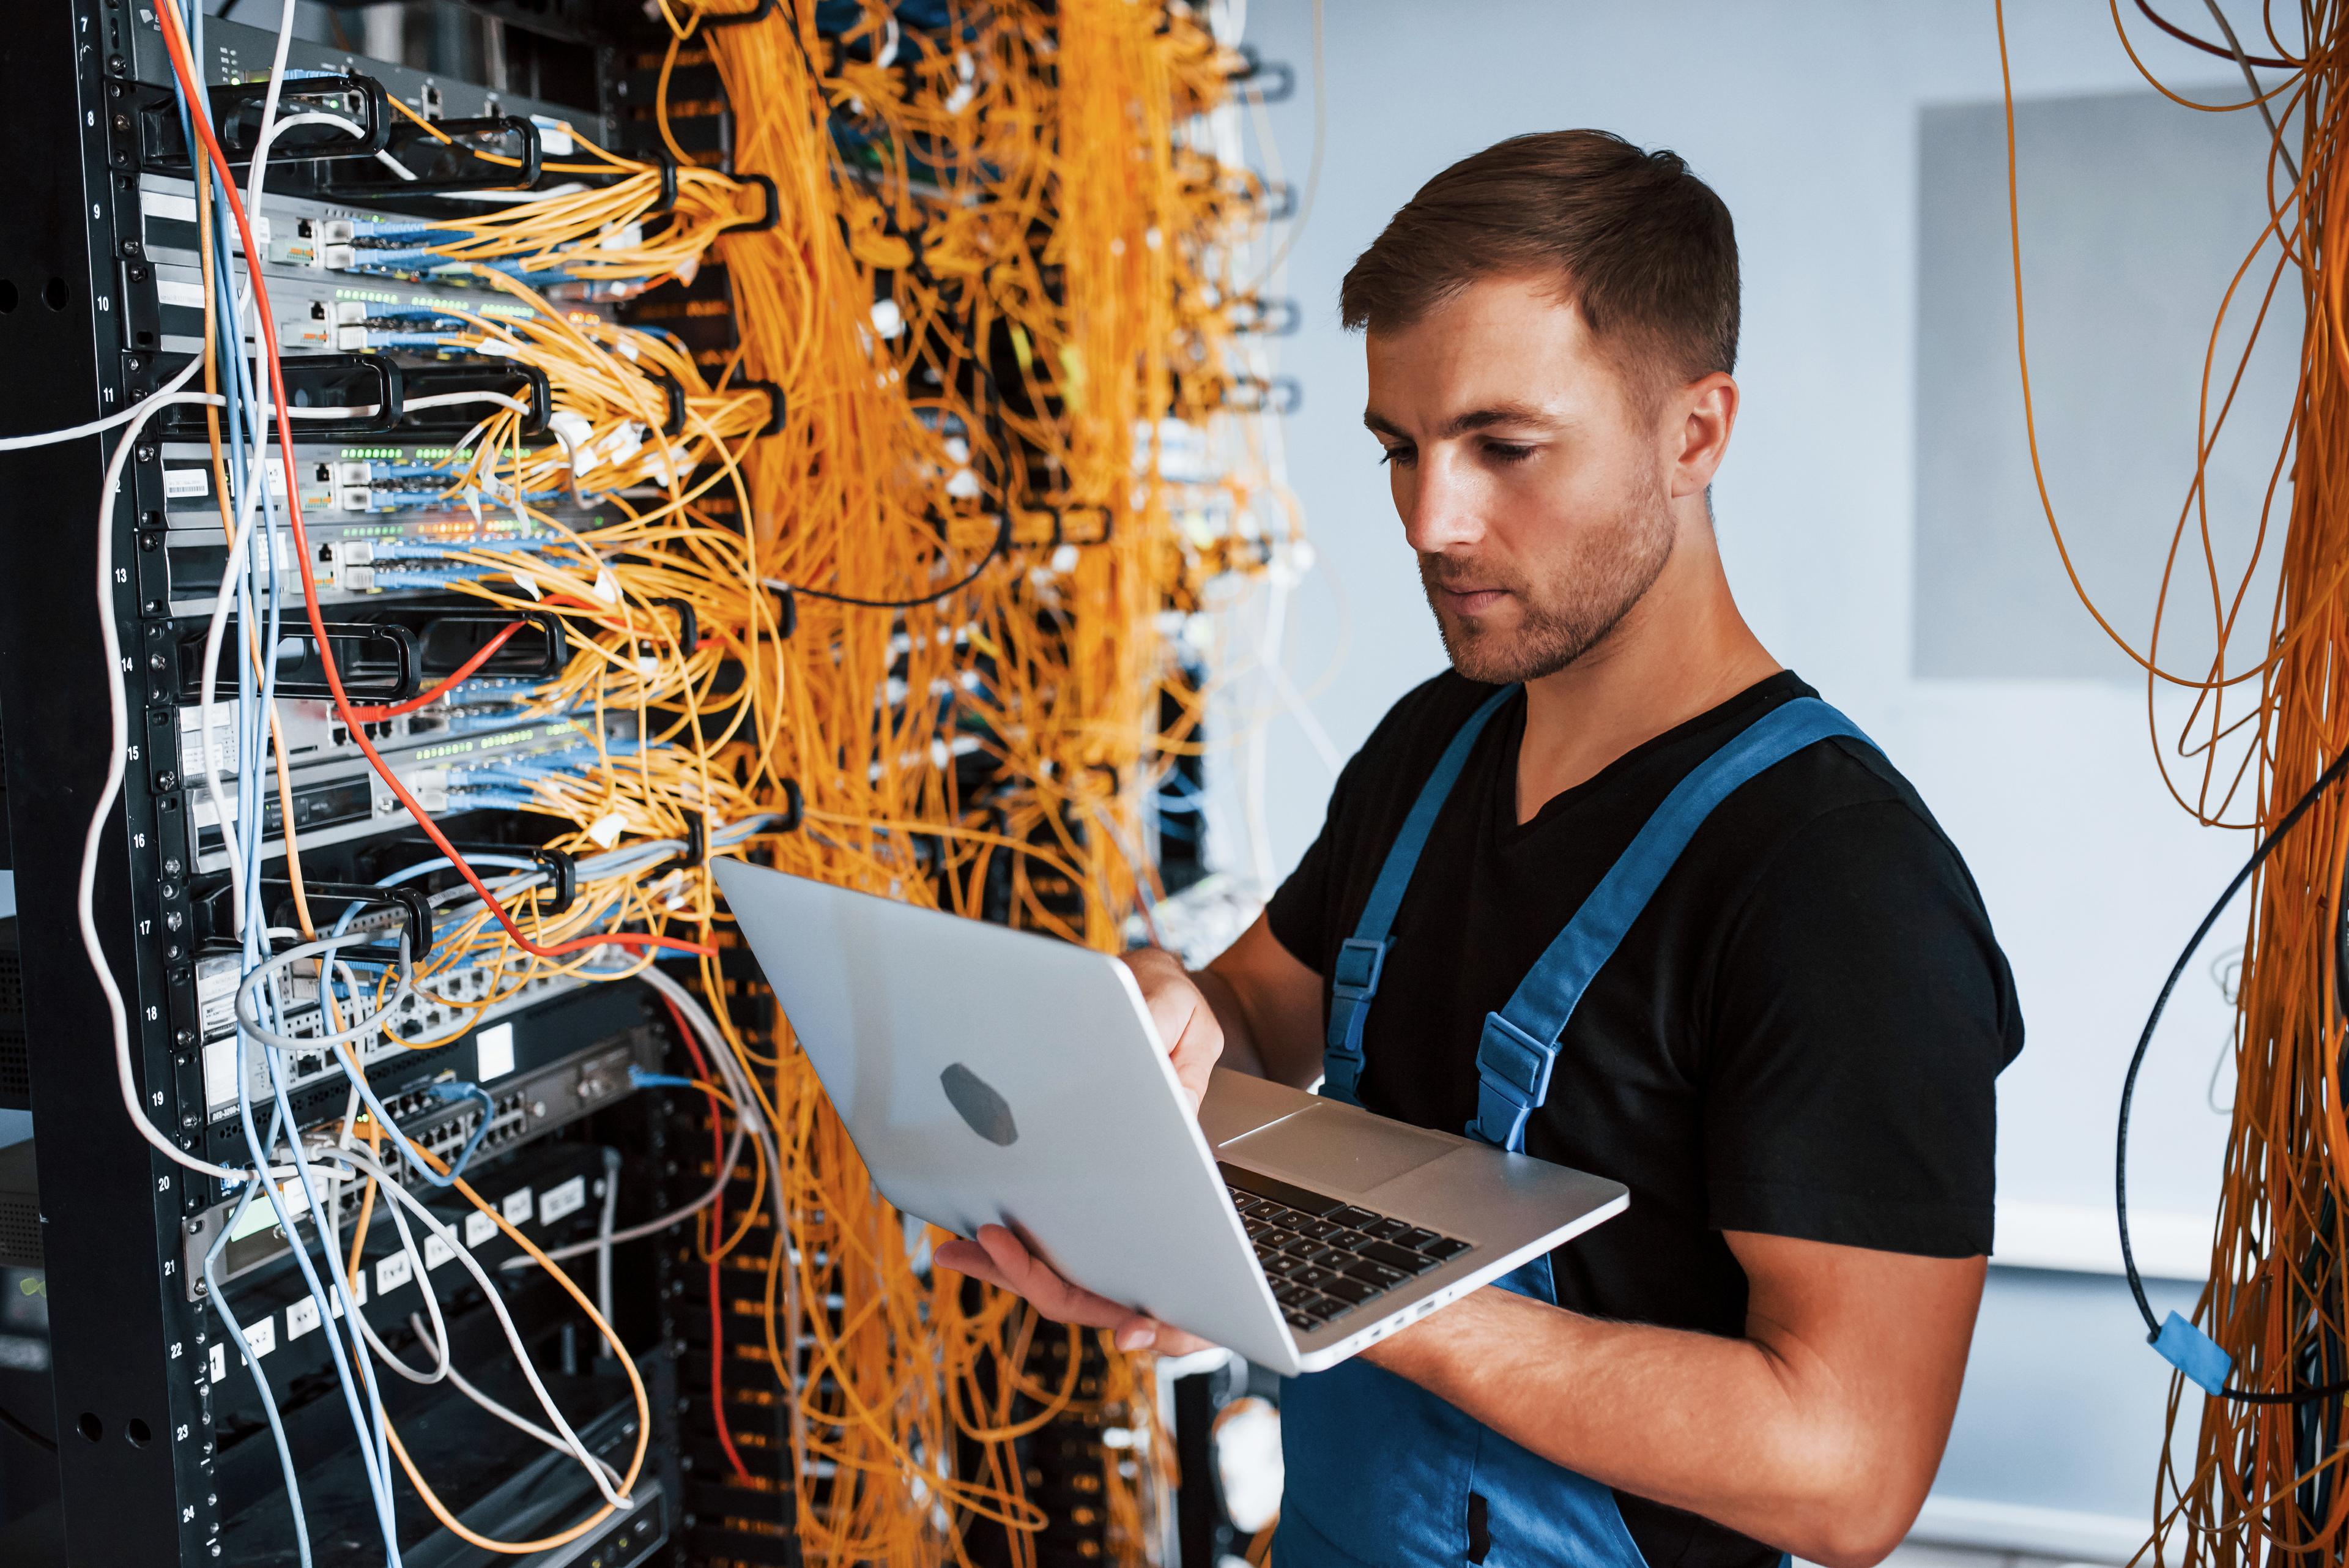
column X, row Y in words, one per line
column 2265, row 1474
column 1001, row 270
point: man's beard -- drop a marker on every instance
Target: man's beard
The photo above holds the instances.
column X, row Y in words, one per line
column 1610, row 569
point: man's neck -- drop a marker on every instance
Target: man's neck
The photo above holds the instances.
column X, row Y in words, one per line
column 1681, row 650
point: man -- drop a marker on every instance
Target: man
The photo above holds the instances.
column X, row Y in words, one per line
column 1788, row 1058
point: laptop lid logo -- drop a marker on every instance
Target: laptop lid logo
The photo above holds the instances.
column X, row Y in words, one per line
column 976, row 1103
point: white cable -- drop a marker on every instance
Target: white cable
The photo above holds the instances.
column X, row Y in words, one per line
column 248, row 1017
column 446, row 400
column 519, row 1422
column 401, row 1195
column 118, row 744
column 423, row 1276
column 651, row 1227
column 138, row 411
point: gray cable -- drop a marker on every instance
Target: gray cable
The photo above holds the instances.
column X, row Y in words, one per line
column 604, row 1238
column 2259, row 94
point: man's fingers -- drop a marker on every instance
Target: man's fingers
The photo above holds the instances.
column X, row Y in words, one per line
column 968, row 1258
column 1047, row 1292
column 999, row 1258
column 1178, row 1009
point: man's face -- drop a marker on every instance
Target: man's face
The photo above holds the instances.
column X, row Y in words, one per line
column 1527, row 477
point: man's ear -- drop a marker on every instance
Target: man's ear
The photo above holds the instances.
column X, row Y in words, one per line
column 1704, row 414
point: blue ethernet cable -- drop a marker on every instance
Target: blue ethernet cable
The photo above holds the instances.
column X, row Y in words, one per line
column 219, row 1299
column 238, row 388
column 379, row 1467
column 459, row 1089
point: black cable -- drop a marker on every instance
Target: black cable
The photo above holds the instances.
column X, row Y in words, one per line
column 1002, row 542
column 2324, row 780
column 25, row 1432
column 920, row 270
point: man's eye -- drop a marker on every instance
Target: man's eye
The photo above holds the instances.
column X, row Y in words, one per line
column 1502, row 452
column 1398, row 454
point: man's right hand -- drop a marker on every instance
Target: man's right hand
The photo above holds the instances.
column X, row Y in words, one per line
column 1185, row 1023
column 1257, row 1011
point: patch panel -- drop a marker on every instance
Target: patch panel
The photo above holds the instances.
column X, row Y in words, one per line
column 455, row 1003
column 339, row 800
column 522, row 1110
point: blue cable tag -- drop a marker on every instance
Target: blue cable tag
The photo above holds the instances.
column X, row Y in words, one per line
column 2195, row 1354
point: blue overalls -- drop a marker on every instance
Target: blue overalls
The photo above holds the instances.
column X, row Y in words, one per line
column 1380, row 1471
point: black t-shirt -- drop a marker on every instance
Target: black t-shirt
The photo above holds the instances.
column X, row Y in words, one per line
column 1798, row 1036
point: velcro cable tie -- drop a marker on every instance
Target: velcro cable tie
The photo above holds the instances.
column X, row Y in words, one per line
column 2195, row 1354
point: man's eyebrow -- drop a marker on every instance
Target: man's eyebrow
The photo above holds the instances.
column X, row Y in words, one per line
column 1522, row 414
column 1502, row 414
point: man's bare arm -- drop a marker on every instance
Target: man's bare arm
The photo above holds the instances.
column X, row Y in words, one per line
column 1269, row 1006
column 1819, row 1432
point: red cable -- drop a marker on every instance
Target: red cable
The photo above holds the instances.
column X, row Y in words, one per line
column 464, row 672
column 176, row 43
column 716, row 1204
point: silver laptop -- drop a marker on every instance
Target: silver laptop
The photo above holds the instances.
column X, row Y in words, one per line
column 989, row 1075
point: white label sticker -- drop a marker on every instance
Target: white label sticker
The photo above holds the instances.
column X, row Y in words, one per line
column 493, row 1052
column 479, row 1227
column 220, row 1074
column 436, row 1252
column 262, row 1336
column 184, row 483
column 172, row 209
column 220, row 1362
column 563, row 1202
column 172, row 291
column 393, row 1273
column 516, row 1207
column 301, row 1318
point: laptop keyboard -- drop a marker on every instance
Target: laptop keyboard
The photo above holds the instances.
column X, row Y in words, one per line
column 1324, row 1257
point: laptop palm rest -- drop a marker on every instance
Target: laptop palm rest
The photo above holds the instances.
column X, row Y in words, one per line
column 1322, row 1147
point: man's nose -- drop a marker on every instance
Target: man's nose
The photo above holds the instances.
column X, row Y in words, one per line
column 1444, row 508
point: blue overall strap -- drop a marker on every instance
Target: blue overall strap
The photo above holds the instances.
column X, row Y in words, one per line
column 1361, row 956
column 1519, row 1044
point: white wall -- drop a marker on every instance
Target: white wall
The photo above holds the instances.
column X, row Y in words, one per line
column 1802, row 114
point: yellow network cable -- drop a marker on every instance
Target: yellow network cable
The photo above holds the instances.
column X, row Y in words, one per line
column 997, row 291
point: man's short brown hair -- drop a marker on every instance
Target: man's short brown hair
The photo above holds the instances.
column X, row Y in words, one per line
column 1641, row 245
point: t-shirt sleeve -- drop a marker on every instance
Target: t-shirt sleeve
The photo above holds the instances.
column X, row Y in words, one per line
column 1861, row 1013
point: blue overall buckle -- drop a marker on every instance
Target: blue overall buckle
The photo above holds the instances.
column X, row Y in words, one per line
column 1514, row 1069
column 1355, row 975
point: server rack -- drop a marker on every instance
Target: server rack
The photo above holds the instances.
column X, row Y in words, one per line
column 154, row 1463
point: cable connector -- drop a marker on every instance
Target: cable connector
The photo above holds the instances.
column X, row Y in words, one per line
column 2194, row 1352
